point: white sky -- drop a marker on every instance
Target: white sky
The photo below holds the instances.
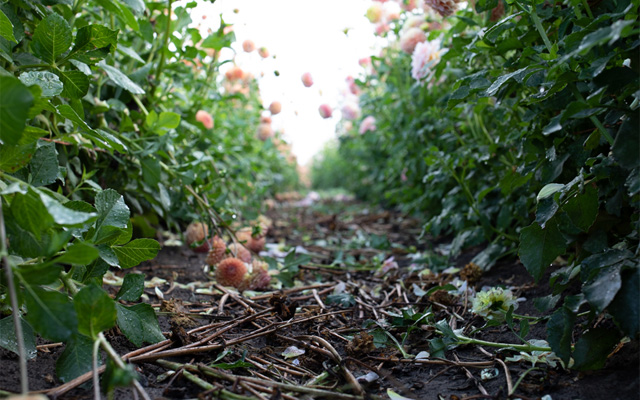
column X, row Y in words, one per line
column 304, row 36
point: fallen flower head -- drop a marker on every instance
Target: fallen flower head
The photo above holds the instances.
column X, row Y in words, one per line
column 493, row 303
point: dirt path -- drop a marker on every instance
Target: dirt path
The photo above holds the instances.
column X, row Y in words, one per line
column 363, row 295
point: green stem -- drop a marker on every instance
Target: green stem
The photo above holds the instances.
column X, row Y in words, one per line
column 15, row 308
column 165, row 43
column 519, row 347
column 593, row 118
column 587, row 8
column 69, row 283
column 520, row 379
column 96, row 374
column 538, row 24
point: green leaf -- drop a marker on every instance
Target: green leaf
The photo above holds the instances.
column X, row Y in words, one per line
column 6, row 28
column 96, row 311
column 627, row 142
column 548, row 190
column 92, row 37
column 625, row 307
column 8, row 337
column 76, row 84
column 150, row 171
column 216, row 42
column 78, row 253
column 593, row 348
column 51, row 38
column 137, row 6
column 139, row 324
column 168, row 120
column 582, row 209
column 63, row 215
column 559, row 330
column 497, row 84
column 15, row 102
column 341, row 299
column 601, row 291
column 50, row 313
column 95, row 270
column 539, row 247
column 115, row 376
column 39, row 274
column 132, row 287
column 47, row 81
column 112, row 211
column 44, row 165
column 136, row 251
column 28, row 212
column 545, row 210
column 120, row 79
column 76, row 359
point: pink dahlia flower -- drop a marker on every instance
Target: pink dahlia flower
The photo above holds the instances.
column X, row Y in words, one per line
column 205, row 118
column 350, row 111
column 368, row 124
column 443, row 7
column 325, row 111
column 425, row 56
column 410, row 38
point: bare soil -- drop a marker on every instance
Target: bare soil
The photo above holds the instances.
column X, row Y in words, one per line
column 333, row 336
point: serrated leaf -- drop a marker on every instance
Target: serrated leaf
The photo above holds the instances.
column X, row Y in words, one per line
column 76, row 84
column 497, row 84
column 136, row 251
column 92, row 37
column 95, row 270
column 76, row 359
column 47, row 81
column 6, row 28
column 50, row 313
column 44, row 165
column 139, row 324
column 8, row 337
column 51, row 38
column 593, row 348
column 132, row 287
column 559, row 330
column 539, row 247
column 582, row 209
column 15, row 102
column 120, row 78
column 96, row 311
column 63, row 215
column 112, row 211
column 601, row 291
column 137, row 6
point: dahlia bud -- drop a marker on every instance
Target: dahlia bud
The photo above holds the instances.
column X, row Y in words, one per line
column 240, row 252
column 263, row 52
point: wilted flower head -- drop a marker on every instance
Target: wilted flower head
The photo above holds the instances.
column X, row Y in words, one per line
column 205, row 118
column 368, row 124
column 443, row 7
column 425, row 56
column 493, row 303
column 410, row 38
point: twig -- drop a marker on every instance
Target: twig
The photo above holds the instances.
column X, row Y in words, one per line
column 507, row 375
column 15, row 308
column 470, row 376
